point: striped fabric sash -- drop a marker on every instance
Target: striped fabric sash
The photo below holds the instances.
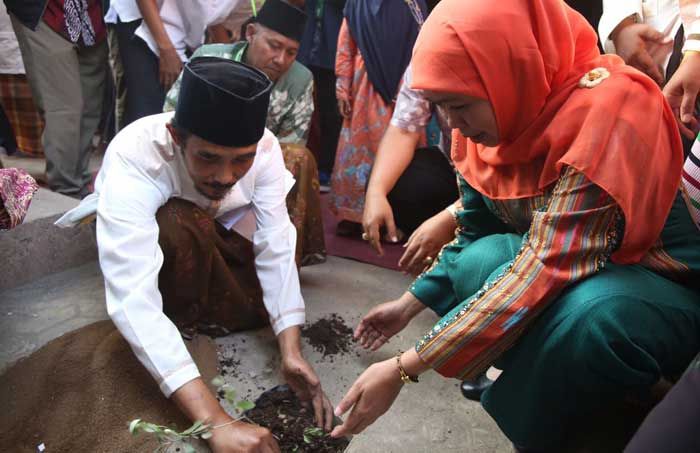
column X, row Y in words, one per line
column 691, row 182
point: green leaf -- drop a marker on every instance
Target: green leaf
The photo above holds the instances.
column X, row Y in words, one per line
column 195, row 426
column 230, row 395
column 206, row 435
column 149, row 428
column 218, row 381
column 307, row 439
column 133, row 425
column 245, row 405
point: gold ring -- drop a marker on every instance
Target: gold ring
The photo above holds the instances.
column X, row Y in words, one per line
column 365, row 237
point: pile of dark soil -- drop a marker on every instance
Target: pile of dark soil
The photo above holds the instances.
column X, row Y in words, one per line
column 279, row 410
column 329, row 336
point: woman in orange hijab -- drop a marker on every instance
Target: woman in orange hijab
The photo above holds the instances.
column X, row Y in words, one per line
column 576, row 264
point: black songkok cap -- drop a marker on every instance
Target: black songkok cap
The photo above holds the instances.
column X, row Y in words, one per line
column 283, row 18
column 223, row 101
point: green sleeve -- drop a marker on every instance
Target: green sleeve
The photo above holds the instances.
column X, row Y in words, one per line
column 434, row 287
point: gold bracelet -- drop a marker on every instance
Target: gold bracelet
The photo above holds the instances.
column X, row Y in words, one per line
column 405, row 378
column 687, row 53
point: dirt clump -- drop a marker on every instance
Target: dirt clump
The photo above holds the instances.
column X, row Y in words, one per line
column 279, row 410
column 329, row 336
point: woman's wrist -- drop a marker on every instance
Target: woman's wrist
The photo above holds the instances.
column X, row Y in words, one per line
column 412, row 364
column 411, row 305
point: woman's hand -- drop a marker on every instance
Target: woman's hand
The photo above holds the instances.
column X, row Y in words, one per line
column 377, row 214
column 345, row 108
column 370, row 396
column 386, row 320
column 425, row 243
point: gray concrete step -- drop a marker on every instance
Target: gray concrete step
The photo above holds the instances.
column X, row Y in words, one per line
column 31, row 315
column 37, row 248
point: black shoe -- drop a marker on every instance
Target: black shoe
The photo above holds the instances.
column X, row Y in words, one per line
column 472, row 390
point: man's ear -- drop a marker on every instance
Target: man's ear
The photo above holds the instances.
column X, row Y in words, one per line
column 173, row 134
column 250, row 31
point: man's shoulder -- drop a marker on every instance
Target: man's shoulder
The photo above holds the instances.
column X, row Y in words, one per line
column 297, row 80
column 217, row 50
column 145, row 143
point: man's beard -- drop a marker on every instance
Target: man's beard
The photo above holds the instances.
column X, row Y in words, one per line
column 221, row 191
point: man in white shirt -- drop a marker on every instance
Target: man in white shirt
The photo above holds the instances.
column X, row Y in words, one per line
column 149, row 40
column 170, row 195
column 642, row 32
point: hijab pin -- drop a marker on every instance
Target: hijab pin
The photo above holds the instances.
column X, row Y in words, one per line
column 593, row 78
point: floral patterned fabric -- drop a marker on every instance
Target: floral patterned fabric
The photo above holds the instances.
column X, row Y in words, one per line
column 16, row 191
column 304, row 205
column 361, row 133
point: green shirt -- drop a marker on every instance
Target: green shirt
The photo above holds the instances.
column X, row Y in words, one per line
column 291, row 100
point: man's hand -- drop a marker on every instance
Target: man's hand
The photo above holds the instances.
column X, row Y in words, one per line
column 643, row 47
column 386, row 320
column 241, row 437
column 197, row 402
column 425, row 243
column 377, row 214
column 170, row 66
column 682, row 94
column 302, row 378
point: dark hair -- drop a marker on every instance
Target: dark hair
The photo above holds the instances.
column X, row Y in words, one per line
column 182, row 134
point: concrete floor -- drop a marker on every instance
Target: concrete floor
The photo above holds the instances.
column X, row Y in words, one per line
column 429, row 415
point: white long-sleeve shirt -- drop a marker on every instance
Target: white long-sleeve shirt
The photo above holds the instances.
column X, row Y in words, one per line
column 142, row 170
column 665, row 16
column 185, row 21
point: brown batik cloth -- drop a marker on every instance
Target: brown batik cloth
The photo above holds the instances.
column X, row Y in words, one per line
column 304, row 205
column 208, row 280
column 18, row 102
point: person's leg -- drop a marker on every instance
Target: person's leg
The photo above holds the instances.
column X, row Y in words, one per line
column 115, row 63
column 208, row 279
column 672, row 427
column 7, row 135
column 304, row 205
column 331, row 121
column 93, row 77
column 427, row 187
column 144, row 93
column 51, row 59
column 614, row 335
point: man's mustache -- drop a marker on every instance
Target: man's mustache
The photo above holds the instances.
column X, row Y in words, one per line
column 218, row 186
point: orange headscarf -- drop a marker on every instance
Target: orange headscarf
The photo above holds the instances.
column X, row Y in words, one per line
column 526, row 58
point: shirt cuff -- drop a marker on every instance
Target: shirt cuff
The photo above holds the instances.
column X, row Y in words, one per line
column 296, row 317
column 692, row 44
column 179, row 378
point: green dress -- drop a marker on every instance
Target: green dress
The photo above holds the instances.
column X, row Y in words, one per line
column 529, row 285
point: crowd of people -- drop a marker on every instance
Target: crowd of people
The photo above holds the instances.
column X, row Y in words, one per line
column 539, row 161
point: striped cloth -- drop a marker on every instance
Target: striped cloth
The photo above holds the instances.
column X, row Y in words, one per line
column 691, row 181
column 17, row 101
column 568, row 241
